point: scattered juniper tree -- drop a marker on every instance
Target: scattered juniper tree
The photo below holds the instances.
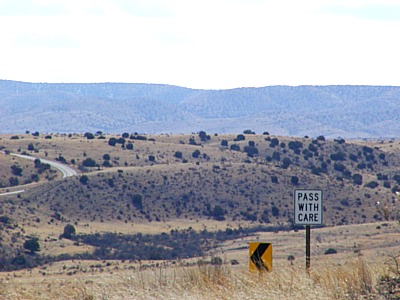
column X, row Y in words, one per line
column 69, row 231
column 32, row 245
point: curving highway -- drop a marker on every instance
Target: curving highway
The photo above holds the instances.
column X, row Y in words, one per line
column 12, row 193
column 65, row 170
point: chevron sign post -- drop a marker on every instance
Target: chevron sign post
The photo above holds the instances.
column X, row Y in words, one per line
column 260, row 257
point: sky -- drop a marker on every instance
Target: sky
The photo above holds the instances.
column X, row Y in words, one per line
column 204, row 44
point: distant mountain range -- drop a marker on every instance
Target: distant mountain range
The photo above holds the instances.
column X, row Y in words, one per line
column 332, row 111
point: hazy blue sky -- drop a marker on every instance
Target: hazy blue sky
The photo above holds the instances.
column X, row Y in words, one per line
column 201, row 44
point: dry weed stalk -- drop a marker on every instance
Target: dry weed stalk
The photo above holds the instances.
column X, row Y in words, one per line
column 389, row 283
column 350, row 281
column 393, row 265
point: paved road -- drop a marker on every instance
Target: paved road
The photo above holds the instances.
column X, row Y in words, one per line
column 12, row 193
column 65, row 170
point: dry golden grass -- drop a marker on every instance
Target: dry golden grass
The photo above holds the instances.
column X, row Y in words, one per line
column 354, row 279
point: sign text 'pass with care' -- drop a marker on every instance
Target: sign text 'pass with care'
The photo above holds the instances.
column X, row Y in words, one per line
column 308, row 207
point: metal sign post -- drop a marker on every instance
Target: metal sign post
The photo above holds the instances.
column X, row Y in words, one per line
column 308, row 247
column 308, row 211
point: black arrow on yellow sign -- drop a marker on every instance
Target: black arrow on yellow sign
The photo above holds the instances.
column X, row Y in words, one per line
column 261, row 257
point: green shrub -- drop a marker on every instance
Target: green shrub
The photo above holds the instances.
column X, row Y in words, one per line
column 330, row 251
column 89, row 162
column 69, row 231
column 251, row 151
column 32, row 245
column 235, row 147
column 137, row 201
column 286, row 162
column 240, row 137
column 178, row 154
column 84, row 179
column 196, row 153
column 371, row 184
column 294, row 180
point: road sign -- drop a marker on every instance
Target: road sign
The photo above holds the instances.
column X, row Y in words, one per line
column 260, row 257
column 308, row 207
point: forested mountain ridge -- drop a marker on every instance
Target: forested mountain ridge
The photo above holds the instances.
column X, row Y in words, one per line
column 332, row 111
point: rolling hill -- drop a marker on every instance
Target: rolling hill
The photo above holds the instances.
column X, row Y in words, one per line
column 129, row 182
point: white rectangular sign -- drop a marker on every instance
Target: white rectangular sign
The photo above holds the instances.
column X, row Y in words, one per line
column 308, row 207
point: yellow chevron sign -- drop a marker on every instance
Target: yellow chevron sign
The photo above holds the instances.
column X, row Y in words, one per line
column 260, row 255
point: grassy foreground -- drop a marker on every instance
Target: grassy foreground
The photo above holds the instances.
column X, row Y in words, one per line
column 355, row 279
